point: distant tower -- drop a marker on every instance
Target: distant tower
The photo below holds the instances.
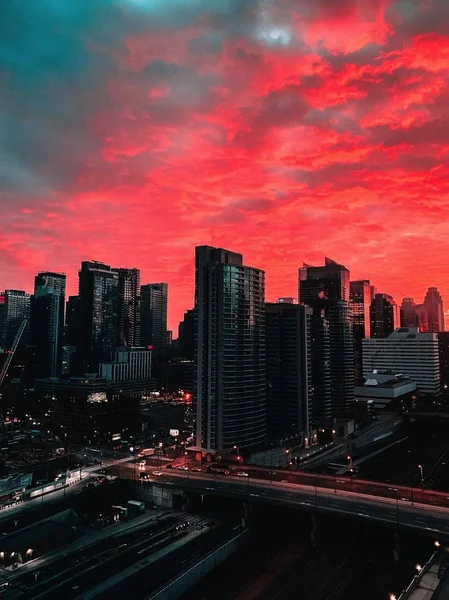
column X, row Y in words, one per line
column 153, row 317
column 360, row 299
column 186, row 335
column 16, row 308
column 326, row 290
column 409, row 318
column 128, row 307
column 433, row 304
column 47, row 325
column 98, row 313
column 384, row 315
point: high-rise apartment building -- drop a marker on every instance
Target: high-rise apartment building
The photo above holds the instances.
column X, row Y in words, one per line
column 409, row 317
column 153, row 317
column 289, row 369
column 433, row 305
column 384, row 314
column 408, row 352
column 128, row 307
column 16, row 308
column 47, row 325
column 98, row 313
column 326, row 290
column 230, row 383
column 360, row 299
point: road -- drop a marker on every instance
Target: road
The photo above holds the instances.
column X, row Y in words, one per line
column 428, row 511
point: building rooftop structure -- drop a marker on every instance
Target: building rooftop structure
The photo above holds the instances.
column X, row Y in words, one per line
column 384, row 387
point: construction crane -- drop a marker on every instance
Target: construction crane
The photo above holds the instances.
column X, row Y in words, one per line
column 11, row 352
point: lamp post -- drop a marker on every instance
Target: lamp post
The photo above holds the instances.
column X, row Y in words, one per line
column 422, row 475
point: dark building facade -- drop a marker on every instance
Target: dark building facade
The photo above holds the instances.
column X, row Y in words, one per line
column 384, row 315
column 326, row 290
column 433, row 305
column 360, row 299
column 230, row 382
column 409, row 317
column 153, row 317
column 16, row 308
column 88, row 412
column 47, row 325
column 97, row 313
column 186, row 335
column 443, row 349
column 289, row 369
column 128, row 307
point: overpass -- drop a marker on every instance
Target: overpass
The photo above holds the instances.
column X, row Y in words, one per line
column 399, row 507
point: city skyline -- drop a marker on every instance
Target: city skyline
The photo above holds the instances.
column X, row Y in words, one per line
column 313, row 127
column 173, row 311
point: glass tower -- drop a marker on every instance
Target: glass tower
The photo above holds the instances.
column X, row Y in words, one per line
column 230, row 385
column 153, row 317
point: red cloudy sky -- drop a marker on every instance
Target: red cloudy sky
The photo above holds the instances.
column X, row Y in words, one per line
column 132, row 130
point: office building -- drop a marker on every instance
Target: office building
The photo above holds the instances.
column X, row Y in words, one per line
column 126, row 364
column 46, row 325
column 128, row 307
column 230, row 382
column 433, row 305
column 384, row 315
column 186, row 335
column 409, row 317
column 153, row 317
column 360, row 300
column 408, row 352
column 16, row 308
column 326, row 290
column 89, row 411
column 443, row 349
column 97, row 313
column 289, row 370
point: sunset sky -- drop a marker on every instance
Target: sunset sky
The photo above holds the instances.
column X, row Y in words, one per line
column 287, row 130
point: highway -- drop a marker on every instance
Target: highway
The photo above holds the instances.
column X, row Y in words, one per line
column 410, row 508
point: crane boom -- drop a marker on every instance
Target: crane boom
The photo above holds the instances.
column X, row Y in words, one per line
column 11, row 352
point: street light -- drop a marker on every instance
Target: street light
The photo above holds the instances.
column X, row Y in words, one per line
column 418, row 568
column 422, row 475
column 437, row 544
column 393, row 597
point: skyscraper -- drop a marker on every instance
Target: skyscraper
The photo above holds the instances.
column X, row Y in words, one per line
column 47, row 325
column 360, row 299
column 409, row 317
column 2, row 317
column 98, row 313
column 230, row 384
column 186, row 335
column 289, row 369
column 153, row 317
column 384, row 314
column 128, row 307
column 16, row 309
column 433, row 304
column 326, row 290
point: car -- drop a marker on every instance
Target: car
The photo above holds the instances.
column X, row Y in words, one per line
column 183, row 468
column 196, row 469
column 144, row 476
column 242, row 474
column 89, row 485
column 157, row 473
column 142, row 463
column 169, row 466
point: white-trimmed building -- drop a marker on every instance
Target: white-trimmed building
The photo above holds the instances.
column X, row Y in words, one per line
column 408, row 352
column 128, row 363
